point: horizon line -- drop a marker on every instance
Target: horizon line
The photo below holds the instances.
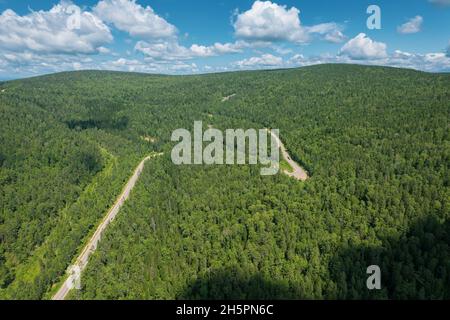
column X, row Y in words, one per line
column 9, row 79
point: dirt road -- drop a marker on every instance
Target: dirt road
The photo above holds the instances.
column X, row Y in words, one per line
column 224, row 99
column 82, row 260
column 298, row 172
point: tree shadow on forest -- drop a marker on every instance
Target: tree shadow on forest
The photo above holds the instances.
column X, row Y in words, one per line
column 415, row 265
column 233, row 284
column 116, row 123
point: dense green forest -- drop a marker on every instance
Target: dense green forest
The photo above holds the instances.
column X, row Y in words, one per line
column 375, row 141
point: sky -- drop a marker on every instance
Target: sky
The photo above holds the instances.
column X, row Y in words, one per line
column 202, row 36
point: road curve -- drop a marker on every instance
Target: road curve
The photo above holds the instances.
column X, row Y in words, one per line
column 224, row 99
column 298, row 172
column 82, row 260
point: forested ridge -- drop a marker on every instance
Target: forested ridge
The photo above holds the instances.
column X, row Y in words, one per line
column 374, row 140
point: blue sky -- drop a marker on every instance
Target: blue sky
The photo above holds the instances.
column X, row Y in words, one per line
column 184, row 37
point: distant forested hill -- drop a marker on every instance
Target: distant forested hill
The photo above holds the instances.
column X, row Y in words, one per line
column 375, row 141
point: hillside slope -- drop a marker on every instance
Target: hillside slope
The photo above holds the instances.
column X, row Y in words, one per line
column 375, row 141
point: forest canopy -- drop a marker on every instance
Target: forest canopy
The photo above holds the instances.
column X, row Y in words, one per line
column 375, row 141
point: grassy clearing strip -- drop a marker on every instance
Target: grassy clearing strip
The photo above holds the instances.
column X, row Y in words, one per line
column 36, row 278
column 104, row 174
column 91, row 245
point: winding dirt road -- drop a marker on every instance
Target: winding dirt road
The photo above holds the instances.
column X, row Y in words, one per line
column 298, row 172
column 224, row 99
column 75, row 270
column 82, row 260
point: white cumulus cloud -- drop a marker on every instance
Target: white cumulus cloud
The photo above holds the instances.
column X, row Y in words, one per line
column 426, row 62
column 363, row 48
column 265, row 60
column 135, row 65
column 172, row 50
column 330, row 31
column 414, row 25
column 128, row 16
column 268, row 21
column 60, row 30
column 216, row 49
column 165, row 50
